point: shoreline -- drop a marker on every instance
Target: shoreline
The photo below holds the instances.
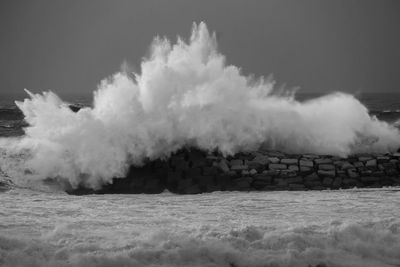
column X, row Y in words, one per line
column 191, row 171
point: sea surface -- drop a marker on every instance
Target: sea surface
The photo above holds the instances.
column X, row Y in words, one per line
column 47, row 227
column 328, row 228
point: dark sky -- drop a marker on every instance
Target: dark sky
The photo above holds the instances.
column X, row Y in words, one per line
column 69, row 46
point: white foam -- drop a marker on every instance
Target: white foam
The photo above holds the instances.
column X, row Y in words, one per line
column 338, row 228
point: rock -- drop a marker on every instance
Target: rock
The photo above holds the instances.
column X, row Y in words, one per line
column 277, row 166
column 383, row 159
column 313, row 183
column 210, row 171
column 223, row 165
column 243, row 183
column 260, row 159
column 323, row 173
column 326, row 167
column 294, row 180
column 273, row 160
column 347, row 165
column 275, row 154
column 349, row 182
column 289, row 161
column 245, row 173
column 271, row 173
column 264, row 177
column 153, row 186
column 327, row 181
column 364, row 158
column 341, row 173
column 239, row 167
column 369, row 179
column 310, row 156
column 371, row 163
column 305, row 170
column 306, row 163
column 260, row 182
column 294, row 168
column 311, row 177
column 323, row 161
column 192, row 189
column 337, row 182
column 253, row 172
column 297, row 187
column 352, row 173
column 236, row 162
column 287, row 173
column 358, row 164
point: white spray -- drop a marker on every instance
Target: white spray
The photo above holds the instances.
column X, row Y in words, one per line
column 186, row 95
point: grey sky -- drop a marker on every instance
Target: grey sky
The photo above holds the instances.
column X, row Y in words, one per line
column 319, row 45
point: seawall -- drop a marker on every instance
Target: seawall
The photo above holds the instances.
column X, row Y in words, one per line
column 193, row 171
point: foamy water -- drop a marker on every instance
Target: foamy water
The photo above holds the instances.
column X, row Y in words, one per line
column 336, row 228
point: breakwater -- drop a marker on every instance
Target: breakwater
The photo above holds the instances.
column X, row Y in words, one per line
column 192, row 171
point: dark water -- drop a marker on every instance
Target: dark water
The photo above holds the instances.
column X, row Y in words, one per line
column 385, row 106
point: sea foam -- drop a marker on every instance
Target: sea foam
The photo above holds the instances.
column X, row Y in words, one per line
column 185, row 95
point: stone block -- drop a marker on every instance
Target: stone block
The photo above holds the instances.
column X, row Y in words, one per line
column 272, row 173
column 293, row 168
column 372, row 163
column 327, row 181
column 297, row 187
column 306, row 163
column 318, row 188
column 352, row 173
column 364, row 158
column 369, row 179
column 245, row 173
column 236, row 162
column 313, row 183
column 337, row 182
column 209, row 171
column 347, row 165
column 265, row 178
column 277, row 166
column 323, row 173
column 239, row 167
column 312, row 177
column 358, row 164
column 192, row 189
column 243, row 183
column 349, row 182
column 260, row 159
column 323, row 161
column 326, row 167
column 289, row 161
column 310, row 156
column 287, row 173
column 222, row 165
column 280, row 181
column 383, row 159
column 253, row 172
column 205, row 180
column 273, row 160
column 294, row 180
column 305, row 170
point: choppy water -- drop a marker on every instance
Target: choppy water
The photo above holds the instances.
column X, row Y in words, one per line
column 335, row 228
